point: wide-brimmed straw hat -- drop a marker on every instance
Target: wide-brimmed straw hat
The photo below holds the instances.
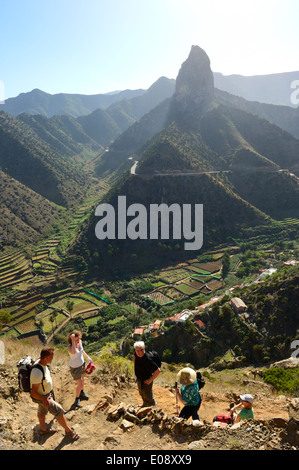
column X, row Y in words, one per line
column 186, row 376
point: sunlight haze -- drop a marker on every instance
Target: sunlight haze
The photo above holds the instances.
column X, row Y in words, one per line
column 92, row 46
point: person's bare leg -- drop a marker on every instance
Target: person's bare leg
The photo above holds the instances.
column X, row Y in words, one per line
column 42, row 421
column 62, row 421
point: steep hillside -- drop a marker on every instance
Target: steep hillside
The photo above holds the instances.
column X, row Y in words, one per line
column 34, row 163
column 25, row 215
column 106, row 126
column 138, row 106
column 103, row 126
column 132, row 140
column 225, row 216
column 263, row 334
column 275, row 193
column 62, row 133
column 285, row 117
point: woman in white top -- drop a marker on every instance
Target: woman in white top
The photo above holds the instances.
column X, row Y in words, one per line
column 77, row 364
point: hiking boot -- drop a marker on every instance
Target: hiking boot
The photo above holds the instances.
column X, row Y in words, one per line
column 77, row 403
column 83, row 396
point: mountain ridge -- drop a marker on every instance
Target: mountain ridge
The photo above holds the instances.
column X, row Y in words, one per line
column 75, row 105
column 41, row 102
column 269, row 89
column 207, row 137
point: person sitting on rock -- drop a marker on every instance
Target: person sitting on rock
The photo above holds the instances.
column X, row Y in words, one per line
column 246, row 411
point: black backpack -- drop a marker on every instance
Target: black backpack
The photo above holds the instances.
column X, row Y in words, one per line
column 154, row 356
column 25, row 366
column 200, row 380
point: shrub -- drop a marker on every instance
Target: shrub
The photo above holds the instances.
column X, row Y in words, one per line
column 113, row 363
column 283, row 380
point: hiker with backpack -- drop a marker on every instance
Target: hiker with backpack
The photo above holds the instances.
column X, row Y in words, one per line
column 189, row 394
column 41, row 386
column 77, row 364
column 147, row 368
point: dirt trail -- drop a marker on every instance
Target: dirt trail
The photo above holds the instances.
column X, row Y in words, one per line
column 99, row 433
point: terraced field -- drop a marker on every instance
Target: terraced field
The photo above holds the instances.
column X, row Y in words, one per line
column 50, row 311
column 14, row 269
column 187, row 280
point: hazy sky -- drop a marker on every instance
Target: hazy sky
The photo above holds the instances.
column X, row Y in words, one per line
column 97, row 46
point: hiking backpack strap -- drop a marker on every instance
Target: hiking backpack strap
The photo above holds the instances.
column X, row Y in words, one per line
column 40, row 367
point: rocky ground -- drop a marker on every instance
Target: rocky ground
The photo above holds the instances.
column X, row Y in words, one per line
column 111, row 419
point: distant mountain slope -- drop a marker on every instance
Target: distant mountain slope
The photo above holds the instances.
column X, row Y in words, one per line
column 222, row 131
column 24, row 215
column 33, row 162
column 62, row 133
column 285, row 117
column 133, row 139
column 40, row 102
column 138, row 106
column 272, row 88
column 189, row 99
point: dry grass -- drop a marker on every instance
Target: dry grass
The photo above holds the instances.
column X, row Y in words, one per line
column 16, row 349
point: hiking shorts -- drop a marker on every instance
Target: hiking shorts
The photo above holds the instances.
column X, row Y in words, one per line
column 77, row 372
column 54, row 408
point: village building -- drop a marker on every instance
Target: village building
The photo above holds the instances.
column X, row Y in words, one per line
column 138, row 332
column 238, row 305
column 292, row 262
column 153, row 328
column 199, row 323
column 266, row 272
column 150, row 330
column 179, row 317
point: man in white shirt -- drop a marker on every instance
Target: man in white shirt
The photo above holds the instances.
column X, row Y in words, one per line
column 41, row 393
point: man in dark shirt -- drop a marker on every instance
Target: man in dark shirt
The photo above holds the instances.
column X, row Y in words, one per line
column 146, row 370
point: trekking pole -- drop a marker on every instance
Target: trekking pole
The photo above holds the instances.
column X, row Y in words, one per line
column 176, row 398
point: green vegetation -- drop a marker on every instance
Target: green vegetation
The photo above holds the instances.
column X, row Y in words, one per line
column 112, row 363
column 283, row 380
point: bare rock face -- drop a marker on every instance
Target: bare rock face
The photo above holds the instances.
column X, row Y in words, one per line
column 194, row 85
